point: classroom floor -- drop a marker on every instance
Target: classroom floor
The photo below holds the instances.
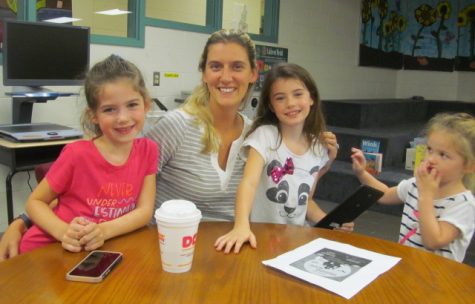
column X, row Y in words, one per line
column 386, row 226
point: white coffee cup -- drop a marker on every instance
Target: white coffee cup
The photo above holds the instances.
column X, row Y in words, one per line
column 177, row 223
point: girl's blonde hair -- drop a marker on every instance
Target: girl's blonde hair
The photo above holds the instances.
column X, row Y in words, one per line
column 197, row 103
column 314, row 123
column 111, row 69
column 461, row 128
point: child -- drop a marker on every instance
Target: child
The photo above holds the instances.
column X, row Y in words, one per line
column 439, row 209
column 285, row 144
column 105, row 186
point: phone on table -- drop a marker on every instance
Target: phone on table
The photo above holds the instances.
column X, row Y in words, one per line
column 95, row 266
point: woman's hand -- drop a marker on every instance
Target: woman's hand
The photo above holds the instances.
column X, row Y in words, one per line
column 235, row 238
column 10, row 242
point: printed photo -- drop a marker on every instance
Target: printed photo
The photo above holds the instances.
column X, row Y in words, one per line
column 331, row 264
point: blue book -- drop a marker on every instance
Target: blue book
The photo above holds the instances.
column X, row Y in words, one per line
column 370, row 145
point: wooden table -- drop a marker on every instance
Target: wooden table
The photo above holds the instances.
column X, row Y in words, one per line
column 420, row 277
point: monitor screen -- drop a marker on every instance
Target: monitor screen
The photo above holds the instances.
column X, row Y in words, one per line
column 41, row 54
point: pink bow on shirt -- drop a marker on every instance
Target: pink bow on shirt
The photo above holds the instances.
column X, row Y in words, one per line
column 278, row 172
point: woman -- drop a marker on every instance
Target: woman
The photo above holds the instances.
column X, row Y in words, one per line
column 200, row 141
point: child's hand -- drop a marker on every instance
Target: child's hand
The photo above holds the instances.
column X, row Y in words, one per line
column 73, row 234
column 93, row 237
column 236, row 237
column 427, row 179
column 346, row 227
column 329, row 139
column 358, row 161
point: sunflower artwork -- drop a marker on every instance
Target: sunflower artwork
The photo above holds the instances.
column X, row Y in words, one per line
column 465, row 53
column 437, row 35
column 429, row 41
column 382, row 25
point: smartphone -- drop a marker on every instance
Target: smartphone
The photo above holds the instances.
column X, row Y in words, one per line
column 95, row 266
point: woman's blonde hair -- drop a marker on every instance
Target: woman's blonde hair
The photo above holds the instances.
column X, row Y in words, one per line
column 111, row 69
column 461, row 128
column 197, row 103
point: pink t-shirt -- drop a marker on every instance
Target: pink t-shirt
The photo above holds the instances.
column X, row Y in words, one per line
column 89, row 186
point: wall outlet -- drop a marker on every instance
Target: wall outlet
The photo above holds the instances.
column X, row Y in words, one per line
column 156, row 78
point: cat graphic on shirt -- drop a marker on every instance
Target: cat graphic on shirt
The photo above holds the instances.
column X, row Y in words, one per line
column 289, row 192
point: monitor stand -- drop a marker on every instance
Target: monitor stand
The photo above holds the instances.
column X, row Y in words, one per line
column 23, row 99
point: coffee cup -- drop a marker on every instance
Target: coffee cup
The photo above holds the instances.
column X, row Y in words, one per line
column 177, row 224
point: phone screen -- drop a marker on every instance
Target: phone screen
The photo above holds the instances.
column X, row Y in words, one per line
column 95, row 264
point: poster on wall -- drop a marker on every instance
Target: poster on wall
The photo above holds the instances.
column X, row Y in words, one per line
column 382, row 24
column 465, row 53
column 434, row 35
column 429, row 41
column 266, row 57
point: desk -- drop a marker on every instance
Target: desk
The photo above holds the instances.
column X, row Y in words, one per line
column 38, row 277
column 24, row 157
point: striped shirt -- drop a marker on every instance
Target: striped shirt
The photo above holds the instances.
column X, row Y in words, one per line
column 186, row 173
column 458, row 210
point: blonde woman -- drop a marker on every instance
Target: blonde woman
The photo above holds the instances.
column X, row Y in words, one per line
column 201, row 140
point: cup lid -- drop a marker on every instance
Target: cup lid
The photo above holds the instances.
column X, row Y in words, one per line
column 178, row 210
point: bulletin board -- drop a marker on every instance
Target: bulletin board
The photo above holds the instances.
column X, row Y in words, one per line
column 266, row 57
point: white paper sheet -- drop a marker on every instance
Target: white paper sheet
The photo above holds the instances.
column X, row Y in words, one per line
column 337, row 267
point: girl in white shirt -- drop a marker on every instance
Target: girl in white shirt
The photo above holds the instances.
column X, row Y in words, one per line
column 288, row 150
column 439, row 206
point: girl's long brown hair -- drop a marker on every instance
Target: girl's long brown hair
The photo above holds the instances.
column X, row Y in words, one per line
column 314, row 124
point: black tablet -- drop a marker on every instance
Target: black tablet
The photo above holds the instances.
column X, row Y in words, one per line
column 351, row 208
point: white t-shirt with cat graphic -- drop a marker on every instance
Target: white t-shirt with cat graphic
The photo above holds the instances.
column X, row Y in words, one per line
column 283, row 201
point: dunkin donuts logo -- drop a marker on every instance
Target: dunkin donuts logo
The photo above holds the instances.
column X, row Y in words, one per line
column 188, row 241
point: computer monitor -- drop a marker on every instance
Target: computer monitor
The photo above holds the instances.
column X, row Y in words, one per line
column 37, row 54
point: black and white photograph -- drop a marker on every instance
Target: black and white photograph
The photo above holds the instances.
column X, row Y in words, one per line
column 341, row 268
column 331, row 264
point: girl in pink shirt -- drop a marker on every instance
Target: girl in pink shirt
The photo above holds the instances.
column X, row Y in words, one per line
column 105, row 186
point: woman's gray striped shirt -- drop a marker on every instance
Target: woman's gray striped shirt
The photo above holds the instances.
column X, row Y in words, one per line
column 186, row 173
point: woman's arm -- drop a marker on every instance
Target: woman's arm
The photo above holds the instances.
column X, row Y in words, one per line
column 169, row 133
column 10, row 242
column 241, row 233
column 11, row 238
column 97, row 234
